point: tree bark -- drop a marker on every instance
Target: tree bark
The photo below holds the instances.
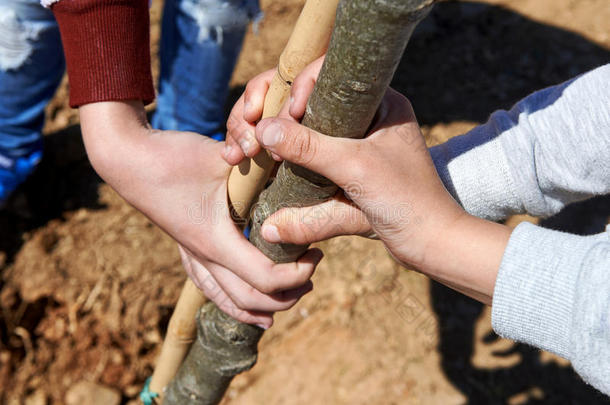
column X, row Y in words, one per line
column 367, row 44
column 224, row 348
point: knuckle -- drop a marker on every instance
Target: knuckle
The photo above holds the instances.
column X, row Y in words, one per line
column 251, row 300
column 304, row 145
column 299, row 81
column 305, row 232
column 253, row 90
column 232, row 122
column 240, row 300
column 262, row 76
column 265, row 285
column 250, row 87
column 243, row 302
column 239, row 304
column 239, row 315
column 225, row 304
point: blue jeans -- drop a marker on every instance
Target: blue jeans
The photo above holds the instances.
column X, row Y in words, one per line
column 200, row 42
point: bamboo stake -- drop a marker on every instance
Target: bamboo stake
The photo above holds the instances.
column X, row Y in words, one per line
column 368, row 41
column 308, row 42
column 181, row 332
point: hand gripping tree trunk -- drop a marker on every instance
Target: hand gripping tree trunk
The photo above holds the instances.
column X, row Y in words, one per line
column 367, row 44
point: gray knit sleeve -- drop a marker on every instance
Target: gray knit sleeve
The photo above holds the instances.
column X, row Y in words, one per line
column 551, row 149
column 553, row 292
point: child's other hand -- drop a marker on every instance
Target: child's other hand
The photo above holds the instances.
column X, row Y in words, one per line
column 396, row 192
column 179, row 181
column 248, row 110
column 388, row 176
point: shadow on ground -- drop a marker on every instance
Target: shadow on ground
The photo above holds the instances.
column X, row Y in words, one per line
column 465, row 60
column 64, row 181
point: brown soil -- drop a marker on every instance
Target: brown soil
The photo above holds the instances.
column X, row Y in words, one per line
column 87, row 283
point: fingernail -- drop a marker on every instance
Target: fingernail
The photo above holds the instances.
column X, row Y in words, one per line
column 271, row 233
column 245, row 145
column 260, row 325
column 272, row 134
column 227, row 150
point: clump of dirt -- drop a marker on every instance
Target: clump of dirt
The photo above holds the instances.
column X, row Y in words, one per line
column 91, row 294
column 88, row 284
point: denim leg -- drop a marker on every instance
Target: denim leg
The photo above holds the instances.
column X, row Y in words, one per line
column 200, row 43
column 31, row 67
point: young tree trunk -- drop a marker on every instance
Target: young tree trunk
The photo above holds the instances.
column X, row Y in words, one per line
column 367, row 44
column 224, row 348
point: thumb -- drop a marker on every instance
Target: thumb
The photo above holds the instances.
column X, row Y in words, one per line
column 305, row 147
column 300, row 226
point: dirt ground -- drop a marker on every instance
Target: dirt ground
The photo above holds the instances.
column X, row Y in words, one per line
column 87, row 283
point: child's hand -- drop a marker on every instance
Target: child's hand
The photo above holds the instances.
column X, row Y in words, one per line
column 178, row 180
column 389, row 176
column 248, row 110
column 393, row 184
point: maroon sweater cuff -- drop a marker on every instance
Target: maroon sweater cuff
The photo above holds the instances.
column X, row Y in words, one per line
column 106, row 43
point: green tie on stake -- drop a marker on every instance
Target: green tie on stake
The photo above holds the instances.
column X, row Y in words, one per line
column 368, row 41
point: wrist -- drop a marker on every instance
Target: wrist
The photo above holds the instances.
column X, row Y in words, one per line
column 466, row 256
column 114, row 133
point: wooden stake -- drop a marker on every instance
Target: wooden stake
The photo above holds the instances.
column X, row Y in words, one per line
column 181, row 332
column 308, row 42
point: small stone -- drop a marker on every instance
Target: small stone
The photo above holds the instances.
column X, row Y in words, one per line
column 81, row 215
column 132, row 390
column 85, row 392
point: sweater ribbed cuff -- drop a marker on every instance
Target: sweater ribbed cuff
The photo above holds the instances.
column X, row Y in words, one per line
column 475, row 171
column 534, row 294
column 106, row 43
